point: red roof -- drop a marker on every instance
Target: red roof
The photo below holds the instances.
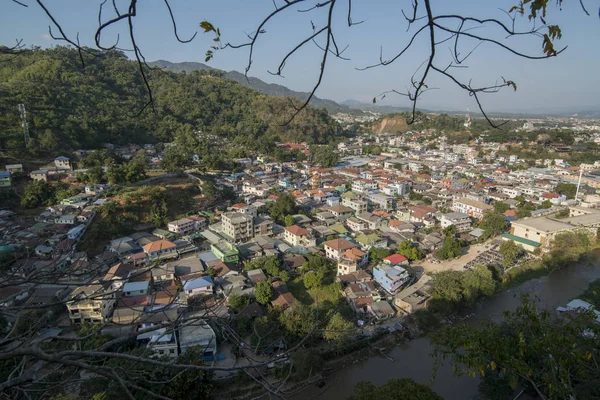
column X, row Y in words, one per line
column 340, row 244
column 395, row 259
column 296, row 230
column 239, row 205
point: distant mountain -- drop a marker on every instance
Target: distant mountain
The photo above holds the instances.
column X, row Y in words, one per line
column 263, row 87
column 382, row 109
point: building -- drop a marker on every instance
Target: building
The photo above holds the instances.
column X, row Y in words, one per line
column 93, row 303
column 225, row 251
column 460, row 220
column 336, row 247
column 39, row 175
column 197, row 285
column 237, row 226
column 380, row 201
column 5, row 179
column 358, row 205
column 133, row 289
column 340, row 211
column 160, row 250
column 363, row 185
column 76, row 232
column 183, row 226
column 62, row 162
column 200, row 335
column 297, row 236
column 473, row 208
column 390, row 277
column 14, row 168
column 351, row 260
column 371, row 221
column 533, row 233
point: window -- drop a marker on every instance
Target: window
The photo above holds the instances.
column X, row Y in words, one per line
column 172, row 351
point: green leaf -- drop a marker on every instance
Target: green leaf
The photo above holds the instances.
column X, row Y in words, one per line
column 207, row 26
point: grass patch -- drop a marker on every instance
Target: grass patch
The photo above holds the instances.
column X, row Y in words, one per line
column 300, row 292
column 521, row 273
column 326, row 294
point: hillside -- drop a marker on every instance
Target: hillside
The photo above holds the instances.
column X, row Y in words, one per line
column 263, row 87
column 72, row 106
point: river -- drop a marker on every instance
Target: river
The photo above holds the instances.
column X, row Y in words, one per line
column 413, row 360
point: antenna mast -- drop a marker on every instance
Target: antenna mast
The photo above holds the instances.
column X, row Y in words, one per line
column 24, row 123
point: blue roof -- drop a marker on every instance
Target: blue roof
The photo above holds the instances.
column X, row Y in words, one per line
column 4, row 174
column 62, row 158
column 198, row 283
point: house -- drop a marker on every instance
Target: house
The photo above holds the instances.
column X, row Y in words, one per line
column 358, row 205
column 390, row 277
column 132, row 289
column 196, row 285
column 460, row 220
column 39, row 175
column 93, row 303
column 76, row 232
column 183, row 226
column 360, row 294
column 340, row 211
column 297, row 236
column 396, row 259
column 198, row 334
column 372, row 221
column 5, row 179
column 473, row 208
column 14, row 168
column 160, row 249
column 334, row 248
column 354, row 277
column 256, row 275
column 351, row 260
column 62, row 162
column 130, row 310
column 370, row 239
column 225, row 251
column 163, row 274
column 381, row 310
column 283, row 298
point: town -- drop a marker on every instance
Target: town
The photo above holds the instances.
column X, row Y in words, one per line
column 361, row 239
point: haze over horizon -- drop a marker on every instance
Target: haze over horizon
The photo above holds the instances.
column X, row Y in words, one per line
column 567, row 83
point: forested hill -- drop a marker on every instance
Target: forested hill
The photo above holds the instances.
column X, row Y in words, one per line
column 74, row 106
column 271, row 89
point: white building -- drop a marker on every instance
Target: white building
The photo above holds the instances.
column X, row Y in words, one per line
column 474, row 208
column 183, row 226
column 458, row 219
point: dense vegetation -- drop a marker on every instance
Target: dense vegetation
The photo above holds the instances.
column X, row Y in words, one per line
column 75, row 106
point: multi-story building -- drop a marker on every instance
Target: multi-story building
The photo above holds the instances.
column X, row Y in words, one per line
column 39, row 175
column 183, row 226
column 237, row 226
column 474, row 208
column 225, row 251
column 93, row 303
column 358, row 205
column 334, row 248
column 460, row 220
column 390, row 277
column 340, row 211
column 351, row 260
column 363, row 185
column 62, row 162
column 297, row 236
column 397, row 189
column 160, row 250
column 380, row 201
column 372, row 221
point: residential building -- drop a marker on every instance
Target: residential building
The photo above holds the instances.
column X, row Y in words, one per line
column 363, row 185
column 372, row 221
column 390, row 277
column 183, row 226
column 297, row 236
column 5, row 179
column 93, row 303
column 139, row 288
column 340, row 211
column 39, row 175
column 380, row 201
column 160, row 249
column 14, row 168
column 237, row 226
column 62, row 162
column 197, row 285
column 225, row 251
column 532, row 233
column 200, row 335
column 460, row 220
column 351, row 260
column 473, row 208
column 336, row 247
column 358, row 205
column 76, row 232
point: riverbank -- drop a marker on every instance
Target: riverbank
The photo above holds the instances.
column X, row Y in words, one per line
column 412, row 359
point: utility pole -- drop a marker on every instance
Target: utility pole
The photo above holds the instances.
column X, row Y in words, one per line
column 578, row 183
column 24, row 124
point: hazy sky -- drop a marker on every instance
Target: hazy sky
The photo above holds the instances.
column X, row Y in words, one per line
column 568, row 82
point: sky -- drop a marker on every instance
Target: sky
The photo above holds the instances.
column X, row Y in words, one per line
column 567, row 83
